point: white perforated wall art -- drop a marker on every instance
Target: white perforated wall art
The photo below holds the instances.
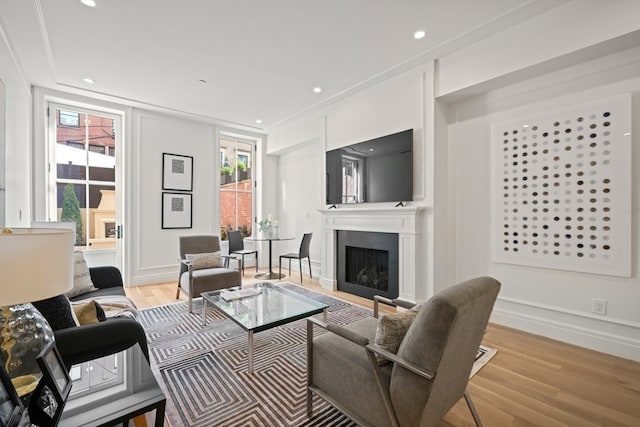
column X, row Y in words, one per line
column 561, row 188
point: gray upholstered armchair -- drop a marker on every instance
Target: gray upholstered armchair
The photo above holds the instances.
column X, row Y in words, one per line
column 426, row 377
column 203, row 268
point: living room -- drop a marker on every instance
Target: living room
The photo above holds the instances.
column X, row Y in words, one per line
column 587, row 52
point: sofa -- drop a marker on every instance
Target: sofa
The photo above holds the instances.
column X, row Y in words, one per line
column 78, row 344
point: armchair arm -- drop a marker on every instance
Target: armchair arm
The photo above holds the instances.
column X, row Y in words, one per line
column 82, row 343
column 377, row 299
column 106, row 277
column 370, row 348
column 339, row 330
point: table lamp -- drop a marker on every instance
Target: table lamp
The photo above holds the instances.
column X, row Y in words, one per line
column 35, row 263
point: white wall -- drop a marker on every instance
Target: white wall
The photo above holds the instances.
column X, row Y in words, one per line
column 154, row 256
column 453, row 168
column 300, row 180
column 551, row 302
column 392, row 106
column 16, row 140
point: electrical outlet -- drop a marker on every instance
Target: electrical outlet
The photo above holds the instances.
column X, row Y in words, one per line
column 599, row 306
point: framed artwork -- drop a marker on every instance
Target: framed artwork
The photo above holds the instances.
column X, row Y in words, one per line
column 45, row 406
column 177, row 172
column 561, row 193
column 11, row 408
column 176, row 210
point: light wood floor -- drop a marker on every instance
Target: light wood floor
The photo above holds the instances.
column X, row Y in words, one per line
column 532, row 380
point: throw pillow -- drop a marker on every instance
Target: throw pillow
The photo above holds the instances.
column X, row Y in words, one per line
column 88, row 312
column 391, row 330
column 81, row 278
column 57, row 311
column 204, row 260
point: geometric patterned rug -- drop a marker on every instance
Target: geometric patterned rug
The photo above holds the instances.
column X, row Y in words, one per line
column 203, row 369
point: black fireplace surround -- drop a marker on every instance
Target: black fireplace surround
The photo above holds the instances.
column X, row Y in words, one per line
column 367, row 263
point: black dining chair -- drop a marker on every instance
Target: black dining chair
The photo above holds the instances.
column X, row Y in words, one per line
column 302, row 253
column 236, row 246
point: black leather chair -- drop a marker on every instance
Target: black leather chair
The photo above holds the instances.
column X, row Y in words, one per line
column 82, row 343
column 236, row 246
column 302, row 253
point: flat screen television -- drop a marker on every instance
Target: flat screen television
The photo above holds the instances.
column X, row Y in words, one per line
column 378, row 170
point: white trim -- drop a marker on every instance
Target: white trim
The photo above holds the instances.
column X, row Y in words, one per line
column 612, row 336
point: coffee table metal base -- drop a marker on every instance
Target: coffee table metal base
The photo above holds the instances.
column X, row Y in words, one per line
column 250, row 344
column 271, row 275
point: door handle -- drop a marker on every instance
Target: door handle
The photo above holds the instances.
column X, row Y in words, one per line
column 119, row 232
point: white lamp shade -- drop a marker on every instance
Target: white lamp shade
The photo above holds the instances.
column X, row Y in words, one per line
column 35, row 263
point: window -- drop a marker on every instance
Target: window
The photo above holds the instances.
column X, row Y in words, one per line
column 97, row 374
column 68, row 118
column 85, row 176
column 351, row 180
column 236, row 185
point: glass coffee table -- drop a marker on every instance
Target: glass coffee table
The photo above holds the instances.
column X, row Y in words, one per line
column 260, row 307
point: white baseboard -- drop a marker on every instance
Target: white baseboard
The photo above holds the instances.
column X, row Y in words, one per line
column 606, row 335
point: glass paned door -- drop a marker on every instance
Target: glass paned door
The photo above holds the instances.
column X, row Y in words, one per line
column 85, row 175
column 236, row 186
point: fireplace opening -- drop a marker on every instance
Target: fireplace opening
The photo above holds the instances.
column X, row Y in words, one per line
column 367, row 263
column 110, row 229
column 367, row 267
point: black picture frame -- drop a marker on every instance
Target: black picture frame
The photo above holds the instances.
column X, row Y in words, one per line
column 177, row 172
column 177, row 210
column 11, row 407
column 50, row 396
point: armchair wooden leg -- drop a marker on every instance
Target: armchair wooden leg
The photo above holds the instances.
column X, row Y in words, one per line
column 178, row 291
column 472, row 408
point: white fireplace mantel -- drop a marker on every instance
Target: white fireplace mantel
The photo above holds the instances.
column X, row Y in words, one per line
column 405, row 221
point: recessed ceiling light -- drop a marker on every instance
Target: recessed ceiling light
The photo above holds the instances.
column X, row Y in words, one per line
column 88, row 80
column 203, row 81
column 419, row 34
column 317, row 89
column 90, row 3
column 259, row 121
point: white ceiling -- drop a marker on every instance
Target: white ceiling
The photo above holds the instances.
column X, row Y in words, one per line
column 260, row 58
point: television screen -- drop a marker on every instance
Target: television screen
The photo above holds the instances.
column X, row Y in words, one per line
column 378, row 170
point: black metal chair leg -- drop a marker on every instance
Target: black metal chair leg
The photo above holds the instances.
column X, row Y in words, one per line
column 256, row 261
column 309, row 259
column 300, row 260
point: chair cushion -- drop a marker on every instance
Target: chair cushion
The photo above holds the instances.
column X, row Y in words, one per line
column 204, row 260
column 88, row 312
column 57, row 311
column 210, row 279
column 81, row 278
column 391, row 330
